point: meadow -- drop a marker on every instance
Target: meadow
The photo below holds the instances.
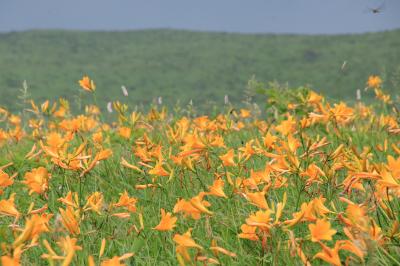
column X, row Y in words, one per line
column 198, row 66
column 301, row 180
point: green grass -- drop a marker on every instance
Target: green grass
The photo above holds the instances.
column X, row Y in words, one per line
column 183, row 65
column 157, row 248
column 202, row 66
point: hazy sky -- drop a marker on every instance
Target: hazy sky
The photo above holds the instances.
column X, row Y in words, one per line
column 271, row 16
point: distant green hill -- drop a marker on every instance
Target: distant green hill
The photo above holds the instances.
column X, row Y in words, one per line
column 190, row 65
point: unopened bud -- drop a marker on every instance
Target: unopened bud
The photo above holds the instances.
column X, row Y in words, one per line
column 358, row 96
column 124, row 90
column 109, row 107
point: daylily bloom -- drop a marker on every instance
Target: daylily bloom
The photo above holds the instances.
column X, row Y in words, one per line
column 70, row 200
column 269, row 140
column 247, row 150
column 37, row 180
column 309, row 211
column 258, row 199
column 313, row 173
column 5, row 181
column 200, row 204
column 217, row 189
column 227, row 159
column 249, row 232
column 321, row 230
column 13, row 259
column 97, row 137
column 314, row 98
column 158, row 170
column 71, row 220
column 34, row 226
column 331, row 255
column 7, row 207
column 67, row 245
column 126, row 202
column 374, row 81
column 260, row 219
column 287, row 127
column 100, row 156
column 167, row 222
column 87, row 84
column 116, row 261
column 125, row 132
column 244, row 113
column 186, row 240
column 94, row 202
column 188, row 209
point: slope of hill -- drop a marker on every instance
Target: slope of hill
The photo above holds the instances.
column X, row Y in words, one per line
column 182, row 65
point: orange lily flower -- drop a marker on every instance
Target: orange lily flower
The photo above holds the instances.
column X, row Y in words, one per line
column 126, row 202
column 70, row 200
column 314, row 98
column 14, row 259
column 248, row 232
column 34, row 226
column 218, row 141
column 217, row 189
column 116, row 261
column 7, row 207
column 261, row 219
column 227, row 159
column 125, row 132
column 100, row 156
column 67, row 245
column 167, row 223
column 188, row 209
column 70, row 220
column 158, row 170
column 97, row 137
column 200, row 204
column 244, row 113
column 321, row 230
column 269, row 140
column 329, row 255
column 247, row 150
column 37, row 180
column 388, row 180
column 313, row 173
column 94, row 202
column 186, row 240
column 287, row 127
column 5, row 181
column 87, row 84
column 258, row 199
column 374, row 81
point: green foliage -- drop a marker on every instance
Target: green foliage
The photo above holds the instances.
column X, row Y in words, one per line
column 182, row 65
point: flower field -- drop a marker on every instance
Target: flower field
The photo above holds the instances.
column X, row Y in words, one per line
column 315, row 184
